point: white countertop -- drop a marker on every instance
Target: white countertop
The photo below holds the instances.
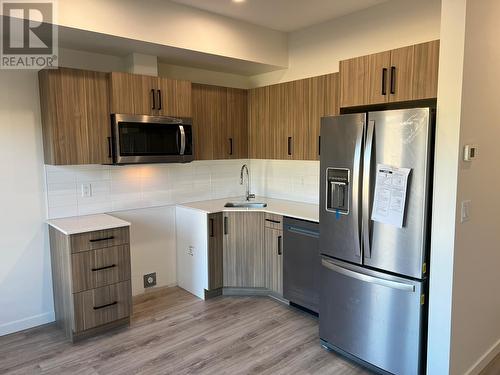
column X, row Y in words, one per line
column 298, row 210
column 87, row 223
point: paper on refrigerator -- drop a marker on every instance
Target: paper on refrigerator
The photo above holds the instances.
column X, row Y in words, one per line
column 389, row 199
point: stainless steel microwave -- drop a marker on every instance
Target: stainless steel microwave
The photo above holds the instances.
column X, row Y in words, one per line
column 137, row 139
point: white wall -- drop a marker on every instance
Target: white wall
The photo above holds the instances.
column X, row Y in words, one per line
column 25, row 278
column 445, row 185
column 475, row 329
column 165, row 23
column 317, row 50
column 286, row 179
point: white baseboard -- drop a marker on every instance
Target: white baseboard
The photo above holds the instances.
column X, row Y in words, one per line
column 484, row 360
column 29, row 322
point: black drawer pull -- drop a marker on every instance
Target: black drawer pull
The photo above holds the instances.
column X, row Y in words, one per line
column 280, row 245
column 290, row 146
column 393, row 80
column 103, row 268
column 107, row 305
column 103, row 239
column 384, row 81
column 273, row 221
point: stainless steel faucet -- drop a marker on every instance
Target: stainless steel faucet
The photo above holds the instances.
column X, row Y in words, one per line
column 248, row 196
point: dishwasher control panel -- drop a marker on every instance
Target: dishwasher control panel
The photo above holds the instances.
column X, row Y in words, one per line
column 337, row 190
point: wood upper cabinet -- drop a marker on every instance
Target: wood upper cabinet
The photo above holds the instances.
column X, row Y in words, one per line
column 148, row 95
column 285, row 119
column 236, row 129
column 173, row 97
column 75, row 116
column 354, row 81
column 243, row 258
column 425, row 70
column 220, row 122
column 378, row 71
column 258, row 121
column 403, row 74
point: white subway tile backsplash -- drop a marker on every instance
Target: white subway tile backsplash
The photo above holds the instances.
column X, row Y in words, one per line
column 117, row 188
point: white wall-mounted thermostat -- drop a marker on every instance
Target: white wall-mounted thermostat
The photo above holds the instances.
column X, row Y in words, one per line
column 470, row 152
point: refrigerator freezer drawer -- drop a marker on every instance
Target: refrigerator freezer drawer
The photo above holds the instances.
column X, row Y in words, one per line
column 373, row 316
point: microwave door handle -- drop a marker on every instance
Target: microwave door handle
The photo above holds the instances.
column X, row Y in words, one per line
column 183, row 140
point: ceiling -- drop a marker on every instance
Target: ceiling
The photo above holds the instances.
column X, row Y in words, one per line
column 282, row 15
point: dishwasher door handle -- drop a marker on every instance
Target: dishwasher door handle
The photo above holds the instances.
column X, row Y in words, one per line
column 303, row 231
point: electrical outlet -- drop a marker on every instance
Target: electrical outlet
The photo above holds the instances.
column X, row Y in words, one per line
column 150, row 280
column 190, row 250
column 465, row 211
column 86, row 190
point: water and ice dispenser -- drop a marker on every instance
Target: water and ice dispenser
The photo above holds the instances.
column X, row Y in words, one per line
column 338, row 190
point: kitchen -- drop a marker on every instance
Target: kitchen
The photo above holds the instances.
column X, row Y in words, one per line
column 260, row 93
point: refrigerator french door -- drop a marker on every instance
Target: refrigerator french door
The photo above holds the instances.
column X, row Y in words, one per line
column 373, row 275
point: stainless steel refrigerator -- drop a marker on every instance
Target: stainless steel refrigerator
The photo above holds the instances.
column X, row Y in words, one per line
column 373, row 274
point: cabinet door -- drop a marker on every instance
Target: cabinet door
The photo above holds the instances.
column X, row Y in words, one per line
column 258, row 116
column 145, row 95
column 276, row 132
column 378, row 77
column 353, row 81
column 243, row 250
column 297, row 121
column 401, row 74
column 215, row 251
column 273, row 247
column 64, row 118
column 121, row 93
column 236, row 124
column 174, row 97
column 425, row 70
column 209, row 117
column 317, row 103
column 98, row 118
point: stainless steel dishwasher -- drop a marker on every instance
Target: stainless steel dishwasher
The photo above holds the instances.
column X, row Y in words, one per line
column 301, row 263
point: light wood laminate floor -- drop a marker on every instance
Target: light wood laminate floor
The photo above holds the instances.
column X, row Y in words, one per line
column 176, row 333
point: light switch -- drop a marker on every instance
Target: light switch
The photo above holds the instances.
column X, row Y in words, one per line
column 86, row 190
column 465, row 211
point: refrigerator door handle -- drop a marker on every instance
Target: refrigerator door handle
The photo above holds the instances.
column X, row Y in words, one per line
column 355, row 188
column 367, row 167
column 367, row 278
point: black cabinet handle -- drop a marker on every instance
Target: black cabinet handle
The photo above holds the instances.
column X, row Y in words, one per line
column 103, row 268
column 211, row 227
column 153, row 96
column 230, row 146
column 384, row 81
column 280, row 245
column 393, row 79
column 103, row 239
column 109, row 147
column 159, row 99
column 273, row 221
column 106, row 305
column 225, row 225
column 289, row 145
column 319, row 145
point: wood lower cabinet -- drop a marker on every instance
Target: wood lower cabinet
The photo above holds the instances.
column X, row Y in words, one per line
column 220, row 122
column 215, row 251
column 244, row 264
column 273, row 249
column 403, row 74
column 75, row 116
column 91, row 281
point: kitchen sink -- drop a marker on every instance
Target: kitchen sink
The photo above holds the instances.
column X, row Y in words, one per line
column 245, row 204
